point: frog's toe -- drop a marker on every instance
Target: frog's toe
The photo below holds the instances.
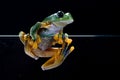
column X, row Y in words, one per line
column 21, row 32
column 66, row 53
column 22, row 36
column 72, row 48
column 68, row 41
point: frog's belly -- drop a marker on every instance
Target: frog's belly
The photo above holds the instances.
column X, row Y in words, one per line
column 45, row 43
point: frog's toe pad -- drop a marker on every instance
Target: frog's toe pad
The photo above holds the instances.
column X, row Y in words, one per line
column 69, row 41
column 72, row 48
column 21, row 33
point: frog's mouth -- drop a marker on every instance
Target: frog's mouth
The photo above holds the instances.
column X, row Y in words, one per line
column 67, row 22
column 63, row 23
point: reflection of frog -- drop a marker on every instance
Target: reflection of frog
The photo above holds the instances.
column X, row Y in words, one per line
column 45, row 34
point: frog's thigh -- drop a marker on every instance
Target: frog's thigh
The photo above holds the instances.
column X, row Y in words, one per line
column 47, row 53
column 30, row 53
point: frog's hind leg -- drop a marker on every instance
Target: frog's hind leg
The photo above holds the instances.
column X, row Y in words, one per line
column 47, row 53
column 59, row 57
column 26, row 40
column 54, row 61
column 29, row 52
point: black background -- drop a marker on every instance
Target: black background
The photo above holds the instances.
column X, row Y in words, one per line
column 92, row 57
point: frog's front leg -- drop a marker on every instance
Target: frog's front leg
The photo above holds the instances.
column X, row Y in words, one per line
column 29, row 44
column 62, row 39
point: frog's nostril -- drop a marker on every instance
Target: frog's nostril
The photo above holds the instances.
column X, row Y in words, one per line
column 60, row 14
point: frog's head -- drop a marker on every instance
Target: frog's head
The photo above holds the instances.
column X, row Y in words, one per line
column 59, row 19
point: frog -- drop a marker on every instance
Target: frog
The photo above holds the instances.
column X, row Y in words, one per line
column 43, row 36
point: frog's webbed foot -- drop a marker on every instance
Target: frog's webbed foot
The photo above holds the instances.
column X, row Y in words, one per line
column 60, row 55
column 66, row 42
column 29, row 44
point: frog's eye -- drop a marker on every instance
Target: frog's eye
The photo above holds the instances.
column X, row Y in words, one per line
column 60, row 14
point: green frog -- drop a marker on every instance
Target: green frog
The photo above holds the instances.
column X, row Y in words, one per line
column 43, row 35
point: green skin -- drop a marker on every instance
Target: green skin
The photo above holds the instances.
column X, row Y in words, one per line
column 58, row 22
